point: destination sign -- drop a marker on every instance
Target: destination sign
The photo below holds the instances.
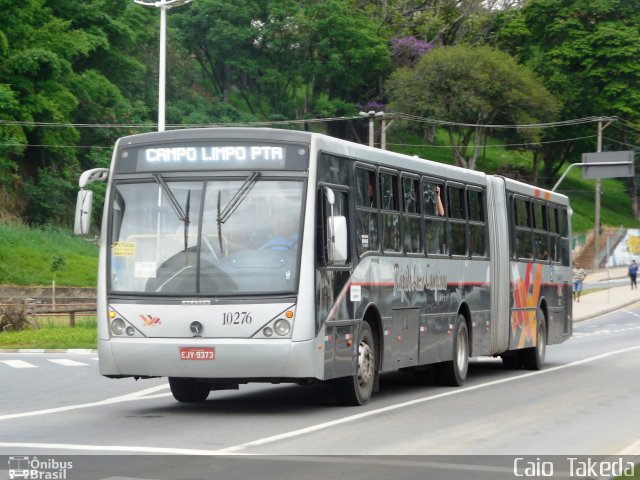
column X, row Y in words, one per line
column 218, row 155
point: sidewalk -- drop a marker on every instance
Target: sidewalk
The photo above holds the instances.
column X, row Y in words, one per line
column 599, row 302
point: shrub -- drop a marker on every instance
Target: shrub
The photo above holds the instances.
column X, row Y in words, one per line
column 16, row 317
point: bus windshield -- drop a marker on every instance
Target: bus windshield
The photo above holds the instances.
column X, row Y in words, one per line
column 212, row 237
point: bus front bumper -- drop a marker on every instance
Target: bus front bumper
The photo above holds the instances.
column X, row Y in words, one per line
column 266, row 360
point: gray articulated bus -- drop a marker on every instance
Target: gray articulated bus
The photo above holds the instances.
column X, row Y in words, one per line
column 236, row 255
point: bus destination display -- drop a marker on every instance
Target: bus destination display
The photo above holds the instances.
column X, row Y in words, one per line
column 216, row 156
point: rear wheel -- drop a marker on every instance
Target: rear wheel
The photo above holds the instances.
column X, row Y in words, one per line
column 357, row 389
column 454, row 373
column 533, row 358
column 188, row 390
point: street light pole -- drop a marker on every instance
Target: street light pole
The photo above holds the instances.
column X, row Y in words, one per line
column 163, row 5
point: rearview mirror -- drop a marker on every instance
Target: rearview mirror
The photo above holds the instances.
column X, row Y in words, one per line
column 337, row 240
column 82, row 220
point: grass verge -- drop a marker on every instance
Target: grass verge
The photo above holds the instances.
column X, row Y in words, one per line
column 52, row 336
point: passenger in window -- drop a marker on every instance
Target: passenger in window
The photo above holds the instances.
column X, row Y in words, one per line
column 439, row 205
column 433, row 200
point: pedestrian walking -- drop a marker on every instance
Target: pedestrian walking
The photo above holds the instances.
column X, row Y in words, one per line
column 578, row 277
column 633, row 273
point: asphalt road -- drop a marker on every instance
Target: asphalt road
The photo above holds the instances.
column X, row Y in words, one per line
column 584, row 403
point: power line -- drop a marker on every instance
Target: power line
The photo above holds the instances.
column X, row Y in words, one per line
column 391, row 115
column 492, row 145
column 562, row 123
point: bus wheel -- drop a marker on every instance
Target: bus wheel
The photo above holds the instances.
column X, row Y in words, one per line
column 454, row 373
column 187, row 390
column 357, row 389
column 533, row 358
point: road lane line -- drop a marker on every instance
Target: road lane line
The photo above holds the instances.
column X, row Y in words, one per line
column 139, row 395
column 633, row 449
column 417, row 401
column 66, row 362
column 109, row 448
column 236, row 450
column 18, row 364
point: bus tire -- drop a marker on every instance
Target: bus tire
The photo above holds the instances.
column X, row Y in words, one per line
column 454, row 372
column 533, row 358
column 188, row 390
column 356, row 390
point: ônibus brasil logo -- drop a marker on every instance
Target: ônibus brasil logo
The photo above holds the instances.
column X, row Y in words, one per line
column 36, row 469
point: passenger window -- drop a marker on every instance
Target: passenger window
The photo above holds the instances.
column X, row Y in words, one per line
column 456, row 203
column 433, row 198
column 411, row 191
column 389, row 188
column 365, row 188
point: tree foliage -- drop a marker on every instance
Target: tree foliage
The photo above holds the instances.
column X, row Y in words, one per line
column 586, row 53
column 471, row 87
column 65, row 64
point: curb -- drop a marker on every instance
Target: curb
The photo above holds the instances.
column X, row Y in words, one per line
column 85, row 351
column 605, row 312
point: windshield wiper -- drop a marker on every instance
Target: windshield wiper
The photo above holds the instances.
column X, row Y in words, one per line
column 177, row 208
column 225, row 213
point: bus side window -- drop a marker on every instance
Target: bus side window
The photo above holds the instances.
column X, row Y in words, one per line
column 411, row 218
column 457, row 220
column 477, row 227
column 563, row 222
column 435, row 223
column 522, row 211
column 390, row 212
column 541, row 232
column 367, row 238
column 554, row 235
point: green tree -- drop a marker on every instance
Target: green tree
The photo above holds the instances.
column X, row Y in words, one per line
column 57, row 66
column 586, row 53
column 286, row 58
column 471, row 87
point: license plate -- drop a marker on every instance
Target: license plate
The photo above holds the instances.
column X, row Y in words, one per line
column 197, row 353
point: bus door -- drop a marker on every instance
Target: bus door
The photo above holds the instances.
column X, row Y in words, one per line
column 333, row 273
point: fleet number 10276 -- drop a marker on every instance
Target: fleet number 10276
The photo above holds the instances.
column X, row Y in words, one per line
column 236, row 318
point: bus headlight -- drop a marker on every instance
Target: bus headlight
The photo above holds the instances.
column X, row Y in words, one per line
column 283, row 327
column 118, row 326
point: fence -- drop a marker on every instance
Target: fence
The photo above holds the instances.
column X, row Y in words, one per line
column 69, row 310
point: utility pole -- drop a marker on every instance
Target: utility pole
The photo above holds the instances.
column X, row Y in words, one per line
column 383, row 134
column 371, row 114
column 163, row 5
column 596, row 231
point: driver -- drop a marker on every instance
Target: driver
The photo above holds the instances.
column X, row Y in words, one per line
column 286, row 237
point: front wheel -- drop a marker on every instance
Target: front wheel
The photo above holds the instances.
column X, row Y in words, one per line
column 533, row 358
column 454, row 373
column 357, row 389
column 188, row 390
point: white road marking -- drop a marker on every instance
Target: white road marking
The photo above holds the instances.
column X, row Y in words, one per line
column 109, row 448
column 633, row 449
column 139, row 395
column 67, row 362
column 359, row 416
column 18, row 364
column 235, row 450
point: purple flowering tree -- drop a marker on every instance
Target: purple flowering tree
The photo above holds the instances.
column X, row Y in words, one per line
column 406, row 51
